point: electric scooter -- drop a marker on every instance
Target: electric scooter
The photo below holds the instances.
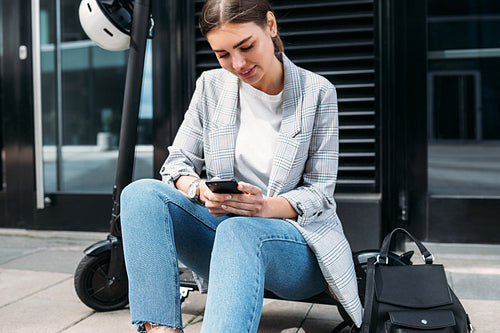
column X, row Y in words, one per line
column 100, row 278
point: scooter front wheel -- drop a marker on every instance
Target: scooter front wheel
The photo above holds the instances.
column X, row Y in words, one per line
column 95, row 288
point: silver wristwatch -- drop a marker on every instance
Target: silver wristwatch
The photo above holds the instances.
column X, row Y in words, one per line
column 193, row 191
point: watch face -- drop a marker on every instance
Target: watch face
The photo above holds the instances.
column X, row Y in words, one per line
column 192, row 189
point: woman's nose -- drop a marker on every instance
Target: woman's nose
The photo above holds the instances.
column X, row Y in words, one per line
column 238, row 62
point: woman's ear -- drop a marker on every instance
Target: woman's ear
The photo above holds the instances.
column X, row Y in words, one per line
column 272, row 26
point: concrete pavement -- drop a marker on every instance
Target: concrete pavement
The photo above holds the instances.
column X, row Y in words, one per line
column 37, row 294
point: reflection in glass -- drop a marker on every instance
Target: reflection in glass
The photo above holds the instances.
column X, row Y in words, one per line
column 82, row 94
column 464, row 98
column 1, row 121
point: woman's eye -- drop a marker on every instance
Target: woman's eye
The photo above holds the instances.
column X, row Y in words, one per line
column 247, row 48
column 223, row 55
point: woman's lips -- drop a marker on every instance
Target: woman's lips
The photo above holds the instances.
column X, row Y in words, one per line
column 247, row 73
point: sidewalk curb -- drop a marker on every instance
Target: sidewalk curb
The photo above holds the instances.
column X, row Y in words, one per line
column 45, row 234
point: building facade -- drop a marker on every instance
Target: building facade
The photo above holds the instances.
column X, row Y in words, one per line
column 419, row 110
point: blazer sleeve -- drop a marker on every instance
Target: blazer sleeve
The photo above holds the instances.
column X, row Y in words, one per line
column 314, row 195
column 186, row 152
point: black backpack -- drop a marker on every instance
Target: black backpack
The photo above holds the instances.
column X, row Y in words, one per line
column 410, row 298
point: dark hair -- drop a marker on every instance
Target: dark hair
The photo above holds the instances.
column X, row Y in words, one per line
column 216, row 13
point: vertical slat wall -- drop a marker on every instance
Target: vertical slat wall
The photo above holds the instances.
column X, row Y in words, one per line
column 334, row 38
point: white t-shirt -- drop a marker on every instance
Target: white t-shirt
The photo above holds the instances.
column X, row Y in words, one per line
column 260, row 122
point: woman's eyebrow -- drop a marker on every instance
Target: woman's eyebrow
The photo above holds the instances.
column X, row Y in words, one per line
column 237, row 44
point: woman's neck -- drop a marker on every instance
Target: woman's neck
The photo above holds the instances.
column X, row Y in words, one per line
column 274, row 81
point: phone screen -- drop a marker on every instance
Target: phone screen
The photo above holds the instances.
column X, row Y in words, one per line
column 223, row 186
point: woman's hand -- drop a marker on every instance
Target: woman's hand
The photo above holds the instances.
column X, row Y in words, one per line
column 250, row 203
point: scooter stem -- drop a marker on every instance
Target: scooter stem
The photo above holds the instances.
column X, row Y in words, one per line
column 131, row 104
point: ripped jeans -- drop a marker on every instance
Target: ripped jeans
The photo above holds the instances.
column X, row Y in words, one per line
column 239, row 256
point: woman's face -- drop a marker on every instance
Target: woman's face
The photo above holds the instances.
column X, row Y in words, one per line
column 247, row 51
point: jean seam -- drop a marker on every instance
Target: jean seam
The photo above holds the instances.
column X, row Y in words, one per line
column 262, row 241
column 277, row 238
column 259, row 284
column 167, row 201
column 172, row 249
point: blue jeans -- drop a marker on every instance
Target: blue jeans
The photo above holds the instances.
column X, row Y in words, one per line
column 239, row 256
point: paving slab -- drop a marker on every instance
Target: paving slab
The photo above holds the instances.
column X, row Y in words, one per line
column 320, row 326
column 321, row 319
column 9, row 254
column 16, row 285
column 50, row 260
column 282, row 316
column 50, row 310
column 481, row 286
column 46, row 240
column 104, row 322
column 484, row 315
column 119, row 321
column 194, row 327
column 278, row 317
column 193, row 308
column 324, row 312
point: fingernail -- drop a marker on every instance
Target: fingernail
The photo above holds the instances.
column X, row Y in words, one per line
column 223, row 206
column 228, row 197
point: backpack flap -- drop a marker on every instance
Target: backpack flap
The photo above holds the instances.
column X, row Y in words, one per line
column 441, row 320
column 413, row 286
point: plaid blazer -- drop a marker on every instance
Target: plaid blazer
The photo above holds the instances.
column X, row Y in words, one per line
column 305, row 163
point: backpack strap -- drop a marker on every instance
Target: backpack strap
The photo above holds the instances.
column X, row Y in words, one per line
column 384, row 249
column 370, row 295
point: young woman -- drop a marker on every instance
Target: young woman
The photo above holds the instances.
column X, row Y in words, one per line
column 273, row 126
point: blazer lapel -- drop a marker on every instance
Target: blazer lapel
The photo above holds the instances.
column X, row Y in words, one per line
column 224, row 130
column 288, row 144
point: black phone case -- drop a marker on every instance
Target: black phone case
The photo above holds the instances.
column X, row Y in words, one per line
column 223, row 186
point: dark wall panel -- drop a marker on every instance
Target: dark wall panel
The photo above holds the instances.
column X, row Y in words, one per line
column 76, row 212
column 464, row 220
column 17, row 115
column 361, row 221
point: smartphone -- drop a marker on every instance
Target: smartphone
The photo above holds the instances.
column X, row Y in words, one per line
column 223, row 186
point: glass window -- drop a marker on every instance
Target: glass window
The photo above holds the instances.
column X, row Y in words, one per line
column 82, row 94
column 464, row 97
column 1, row 93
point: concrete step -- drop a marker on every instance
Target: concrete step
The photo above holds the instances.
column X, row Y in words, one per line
column 473, row 270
